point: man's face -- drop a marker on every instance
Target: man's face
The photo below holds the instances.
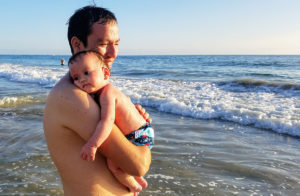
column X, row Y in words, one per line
column 105, row 40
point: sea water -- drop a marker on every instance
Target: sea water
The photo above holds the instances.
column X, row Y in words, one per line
column 208, row 112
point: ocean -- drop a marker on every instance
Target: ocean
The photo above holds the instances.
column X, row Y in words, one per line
column 224, row 124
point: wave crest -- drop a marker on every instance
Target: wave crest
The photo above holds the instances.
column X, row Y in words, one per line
column 32, row 74
column 247, row 82
column 8, row 102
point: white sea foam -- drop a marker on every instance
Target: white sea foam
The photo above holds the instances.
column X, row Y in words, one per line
column 265, row 108
column 8, row 101
column 160, row 176
column 45, row 76
column 206, row 100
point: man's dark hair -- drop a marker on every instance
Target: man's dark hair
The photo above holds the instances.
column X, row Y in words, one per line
column 80, row 23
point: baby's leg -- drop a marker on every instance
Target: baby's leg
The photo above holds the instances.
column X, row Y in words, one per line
column 129, row 181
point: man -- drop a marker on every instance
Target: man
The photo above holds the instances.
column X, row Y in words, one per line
column 71, row 116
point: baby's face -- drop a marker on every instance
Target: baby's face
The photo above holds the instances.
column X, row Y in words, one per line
column 87, row 73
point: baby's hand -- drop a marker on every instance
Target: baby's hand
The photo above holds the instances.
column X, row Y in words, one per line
column 88, row 152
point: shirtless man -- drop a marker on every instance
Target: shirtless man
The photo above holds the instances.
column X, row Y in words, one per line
column 71, row 116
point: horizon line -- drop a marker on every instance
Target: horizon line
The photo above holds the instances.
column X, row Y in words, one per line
column 170, row 54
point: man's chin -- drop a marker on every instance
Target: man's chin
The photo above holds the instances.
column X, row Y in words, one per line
column 109, row 63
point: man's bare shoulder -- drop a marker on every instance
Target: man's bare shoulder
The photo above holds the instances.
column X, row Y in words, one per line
column 67, row 106
column 63, row 91
column 65, row 95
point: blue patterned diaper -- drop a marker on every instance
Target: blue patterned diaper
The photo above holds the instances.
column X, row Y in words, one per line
column 144, row 136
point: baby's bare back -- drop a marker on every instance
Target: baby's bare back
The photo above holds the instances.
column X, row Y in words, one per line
column 127, row 117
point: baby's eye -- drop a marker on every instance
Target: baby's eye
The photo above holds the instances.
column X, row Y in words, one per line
column 86, row 73
column 75, row 78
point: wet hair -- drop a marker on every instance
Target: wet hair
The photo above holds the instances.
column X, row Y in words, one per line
column 81, row 22
column 75, row 57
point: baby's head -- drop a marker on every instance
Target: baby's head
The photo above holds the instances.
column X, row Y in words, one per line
column 88, row 71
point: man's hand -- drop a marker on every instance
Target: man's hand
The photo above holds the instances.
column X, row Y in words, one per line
column 143, row 112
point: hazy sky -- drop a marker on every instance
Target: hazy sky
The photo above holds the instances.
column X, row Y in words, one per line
column 159, row 26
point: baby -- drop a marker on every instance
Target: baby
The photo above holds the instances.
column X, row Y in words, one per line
column 89, row 73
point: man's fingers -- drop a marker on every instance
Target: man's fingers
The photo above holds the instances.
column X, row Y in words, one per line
column 149, row 120
column 143, row 112
column 146, row 116
column 138, row 107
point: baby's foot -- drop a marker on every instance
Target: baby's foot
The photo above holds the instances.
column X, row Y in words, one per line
column 142, row 182
column 127, row 180
column 132, row 184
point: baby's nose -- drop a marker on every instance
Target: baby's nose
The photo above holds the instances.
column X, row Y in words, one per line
column 82, row 79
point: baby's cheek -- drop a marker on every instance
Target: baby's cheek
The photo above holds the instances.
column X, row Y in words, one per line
column 77, row 84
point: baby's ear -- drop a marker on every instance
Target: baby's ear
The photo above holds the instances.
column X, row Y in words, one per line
column 106, row 73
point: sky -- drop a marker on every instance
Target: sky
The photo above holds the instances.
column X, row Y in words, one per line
column 159, row 27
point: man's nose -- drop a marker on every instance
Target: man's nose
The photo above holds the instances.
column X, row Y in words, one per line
column 112, row 51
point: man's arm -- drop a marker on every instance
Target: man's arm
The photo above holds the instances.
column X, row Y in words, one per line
column 80, row 113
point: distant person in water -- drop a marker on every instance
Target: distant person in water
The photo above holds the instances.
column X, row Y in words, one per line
column 62, row 61
column 90, row 74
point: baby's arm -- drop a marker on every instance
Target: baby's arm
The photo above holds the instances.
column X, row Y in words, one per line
column 103, row 129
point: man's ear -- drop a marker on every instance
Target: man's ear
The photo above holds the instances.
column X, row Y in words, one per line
column 106, row 73
column 76, row 44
